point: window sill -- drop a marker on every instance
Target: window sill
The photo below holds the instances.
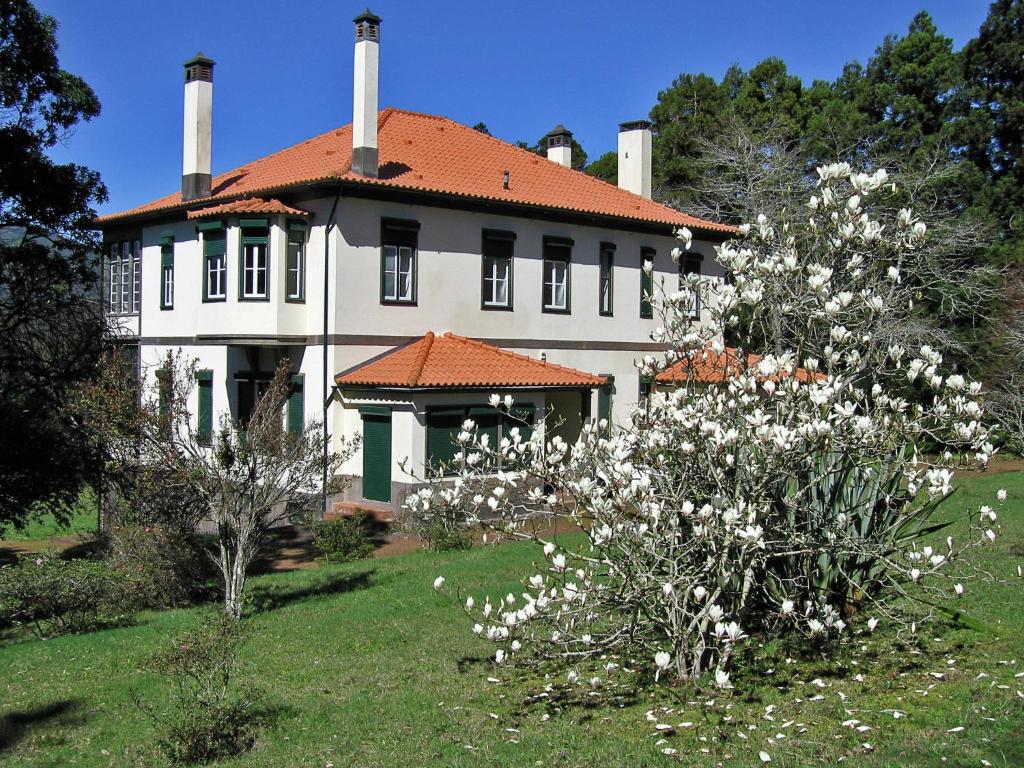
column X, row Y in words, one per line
column 295, row 300
column 496, row 307
column 254, row 298
column 555, row 311
column 398, row 302
column 606, row 314
column 214, row 299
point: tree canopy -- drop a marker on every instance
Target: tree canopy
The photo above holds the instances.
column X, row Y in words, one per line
column 49, row 315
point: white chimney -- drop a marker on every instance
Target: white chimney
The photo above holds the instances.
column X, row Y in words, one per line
column 198, row 134
column 560, row 146
column 364, row 94
column 635, row 157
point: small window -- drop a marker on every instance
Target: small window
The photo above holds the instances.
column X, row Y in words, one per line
column 646, row 282
column 496, row 281
column 167, row 274
column 215, row 267
column 557, row 275
column 295, row 266
column 398, row 261
column 690, row 265
column 124, row 274
column 606, row 263
column 255, row 262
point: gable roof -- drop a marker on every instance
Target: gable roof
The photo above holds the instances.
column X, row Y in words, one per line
column 712, row 367
column 427, row 153
column 248, row 205
column 455, row 362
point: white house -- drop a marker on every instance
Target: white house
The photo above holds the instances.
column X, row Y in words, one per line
column 354, row 253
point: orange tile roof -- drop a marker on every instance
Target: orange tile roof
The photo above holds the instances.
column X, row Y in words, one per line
column 247, row 205
column 715, row 367
column 437, row 155
column 455, row 362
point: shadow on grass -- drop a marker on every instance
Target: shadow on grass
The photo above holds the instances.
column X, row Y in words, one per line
column 270, row 597
column 15, row 726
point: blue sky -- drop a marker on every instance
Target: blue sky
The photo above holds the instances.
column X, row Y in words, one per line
column 284, row 69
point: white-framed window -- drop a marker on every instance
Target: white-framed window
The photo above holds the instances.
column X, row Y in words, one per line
column 496, row 276
column 124, row 274
column 295, row 265
column 398, row 251
column 254, row 270
column 557, row 274
column 215, row 267
column 167, row 273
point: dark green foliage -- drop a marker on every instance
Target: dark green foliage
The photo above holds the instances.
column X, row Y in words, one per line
column 52, row 596
column 211, row 717
column 343, row 539
column 444, row 539
column 49, row 312
column 606, row 168
column 163, row 567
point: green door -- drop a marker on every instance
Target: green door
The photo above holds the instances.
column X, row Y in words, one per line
column 376, row 453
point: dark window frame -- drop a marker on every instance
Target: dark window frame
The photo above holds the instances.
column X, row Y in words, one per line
column 214, row 232
column 647, row 283
column 123, row 258
column 497, row 239
column 686, row 263
column 556, row 250
column 606, row 274
column 296, row 235
column 398, row 234
column 166, row 272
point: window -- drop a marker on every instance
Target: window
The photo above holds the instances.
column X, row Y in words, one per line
column 215, row 265
column 398, row 261
column 251, row 386
column 204, row 426
column 167, row 273
column 255, row 259
column 295, row 418
column 124, row 275
column 604, row 399
column 646, row 282
column 444, row 424
column 557, row 264
column 295, row 263
column 496, row 283
column 690, row 264
column 606, row 261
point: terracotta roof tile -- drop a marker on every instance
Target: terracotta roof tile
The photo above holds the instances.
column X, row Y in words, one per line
column 455, row 362
column 714, row 368
column 248, row 205
column 435, row 154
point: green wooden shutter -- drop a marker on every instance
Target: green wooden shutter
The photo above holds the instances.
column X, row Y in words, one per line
column 205, row 382
column 443, row 424
column 604, row 399
column 377, row 455
column 297, row 405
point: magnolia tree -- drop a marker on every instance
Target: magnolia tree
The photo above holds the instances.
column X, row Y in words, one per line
column 796, row 496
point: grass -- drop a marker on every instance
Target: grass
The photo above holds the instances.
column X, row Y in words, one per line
column 369, row 667
column 46, row 525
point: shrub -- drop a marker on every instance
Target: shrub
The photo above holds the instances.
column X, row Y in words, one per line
column 211, row 716
column 52, row 596
column 443, row 538
column 164, row 567
column 342, row 540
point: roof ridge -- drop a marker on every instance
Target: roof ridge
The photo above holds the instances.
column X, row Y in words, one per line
column 421, row 358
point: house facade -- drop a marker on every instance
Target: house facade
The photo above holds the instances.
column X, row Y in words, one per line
column 356, row 252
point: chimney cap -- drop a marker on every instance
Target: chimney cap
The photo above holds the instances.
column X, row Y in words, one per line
column 199, row 58
column 559, row 130
column 635, row 125
column 368, row 15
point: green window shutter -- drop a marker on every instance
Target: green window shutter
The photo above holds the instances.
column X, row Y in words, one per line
column 376, row 457
column 604, row 399
column 205, row 382
column 487, row 420
column 215, row 243
column 296, row 406
column 443, row 424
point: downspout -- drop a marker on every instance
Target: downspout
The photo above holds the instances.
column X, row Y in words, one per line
column 328, row 391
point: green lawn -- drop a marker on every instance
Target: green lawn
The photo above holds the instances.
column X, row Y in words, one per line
column 82, row 520
column 369, row 667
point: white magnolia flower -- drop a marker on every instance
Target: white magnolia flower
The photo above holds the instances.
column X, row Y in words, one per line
column 558, row 562
column 662, row 659
column 494, row 400
column 959, row 589
column 469, row 600
column 787, row 607
column 872, row 623
column 722, row 678
column 438, row 582
column 1001, row 494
